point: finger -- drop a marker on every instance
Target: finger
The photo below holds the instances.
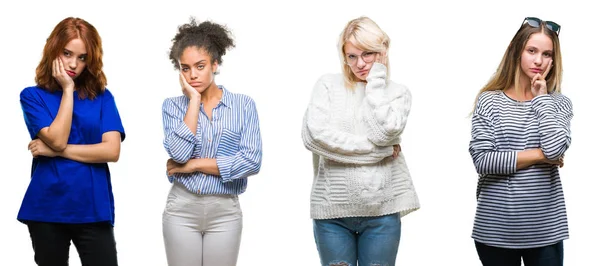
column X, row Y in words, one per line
column 535, row 78
column 61, row 67
column 547, row 69
column 54, row 67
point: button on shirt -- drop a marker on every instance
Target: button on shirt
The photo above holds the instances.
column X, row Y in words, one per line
column 232, row 137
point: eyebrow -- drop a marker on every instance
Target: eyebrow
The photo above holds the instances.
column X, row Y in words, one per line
column 69, row 51
column 195, row 64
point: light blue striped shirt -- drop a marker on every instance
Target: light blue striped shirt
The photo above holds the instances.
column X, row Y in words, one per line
column 232, row 137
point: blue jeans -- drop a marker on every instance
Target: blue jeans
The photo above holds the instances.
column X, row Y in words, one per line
column 544, row 256
column 368, row 240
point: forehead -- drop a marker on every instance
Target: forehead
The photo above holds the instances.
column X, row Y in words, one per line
column 350, row 48
column 76, row 46
column 193, row 54
column 541, row 41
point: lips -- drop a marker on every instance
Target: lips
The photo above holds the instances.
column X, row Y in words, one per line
column 536, row 70
column 195, row 84
column 71, row 73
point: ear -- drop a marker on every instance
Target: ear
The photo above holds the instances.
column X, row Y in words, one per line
column 215, row 67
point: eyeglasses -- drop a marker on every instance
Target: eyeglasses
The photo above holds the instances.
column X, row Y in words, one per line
column 367, row 57
column 536, row 22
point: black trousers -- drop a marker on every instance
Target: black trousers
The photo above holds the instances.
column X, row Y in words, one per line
column 95, row 243
column 551, row 255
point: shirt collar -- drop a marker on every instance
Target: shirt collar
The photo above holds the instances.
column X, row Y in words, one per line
column 226, row 98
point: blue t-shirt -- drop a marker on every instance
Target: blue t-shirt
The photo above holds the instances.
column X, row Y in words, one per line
column 62, row 190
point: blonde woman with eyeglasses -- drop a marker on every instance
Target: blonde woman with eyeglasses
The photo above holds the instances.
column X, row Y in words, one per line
column 520, row 133
column 362, row 186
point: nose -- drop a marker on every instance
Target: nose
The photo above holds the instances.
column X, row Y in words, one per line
column 71, row 63
column 193, row 73
column 360, row 63
column 538, row 59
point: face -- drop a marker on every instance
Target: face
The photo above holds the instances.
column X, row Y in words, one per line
column 357, row 63
column 537, row 55
column 73, row 57
column 195, row 65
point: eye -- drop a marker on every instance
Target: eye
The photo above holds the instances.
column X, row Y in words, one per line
column 66, row 53
column 351, row 57
column 200, row 67
column 547, row 54
column 185, row 69
column 531, row 50
column 82, row 58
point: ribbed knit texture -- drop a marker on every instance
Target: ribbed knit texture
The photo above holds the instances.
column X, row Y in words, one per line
column 351, row 133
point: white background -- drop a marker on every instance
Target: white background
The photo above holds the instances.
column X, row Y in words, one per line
column 444, row 51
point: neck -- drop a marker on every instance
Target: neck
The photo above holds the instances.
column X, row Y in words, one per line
column 211, row 93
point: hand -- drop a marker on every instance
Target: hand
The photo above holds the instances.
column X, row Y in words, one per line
column 174, row 167
column 59, row 73
column 381, row 57
column 189, row 91
column 538, row 82
column 38, row 148
column 560, row 162
column 397, row 150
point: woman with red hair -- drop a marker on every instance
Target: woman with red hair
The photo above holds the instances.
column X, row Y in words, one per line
column 76, row 130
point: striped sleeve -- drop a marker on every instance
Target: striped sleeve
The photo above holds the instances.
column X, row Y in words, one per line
column 247, row 160
column 554, row 116
column 179, row 140
column 486, row 157
column 386, row 107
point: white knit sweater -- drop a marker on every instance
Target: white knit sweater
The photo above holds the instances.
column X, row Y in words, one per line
column 351, row 133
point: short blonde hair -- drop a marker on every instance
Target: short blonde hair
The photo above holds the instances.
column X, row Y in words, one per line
column 366, row 35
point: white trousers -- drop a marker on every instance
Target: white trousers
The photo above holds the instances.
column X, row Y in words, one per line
column 201, row 230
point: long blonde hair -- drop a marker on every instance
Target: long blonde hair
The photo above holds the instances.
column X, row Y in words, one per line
column 366, row 35
column 509, row 70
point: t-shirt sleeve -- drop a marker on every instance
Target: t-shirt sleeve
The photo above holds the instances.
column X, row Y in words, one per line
column 35, row 112
column 111, row 120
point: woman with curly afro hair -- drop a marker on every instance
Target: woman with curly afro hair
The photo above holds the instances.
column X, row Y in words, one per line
column 213, row 140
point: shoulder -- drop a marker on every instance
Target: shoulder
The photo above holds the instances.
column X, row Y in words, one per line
column 177, row 101
column 486, row 101
column 561, row 99
column 33, row 92
column 331, row 80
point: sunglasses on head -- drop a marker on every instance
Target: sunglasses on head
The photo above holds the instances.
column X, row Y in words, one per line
column 536, row 22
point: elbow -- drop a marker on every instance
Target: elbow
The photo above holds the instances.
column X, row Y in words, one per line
column 58, row 146
column 113, row 158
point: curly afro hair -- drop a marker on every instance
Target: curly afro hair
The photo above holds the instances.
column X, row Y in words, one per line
column 213, row 38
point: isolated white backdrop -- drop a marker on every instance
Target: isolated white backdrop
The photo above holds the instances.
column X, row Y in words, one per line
column 444, row 51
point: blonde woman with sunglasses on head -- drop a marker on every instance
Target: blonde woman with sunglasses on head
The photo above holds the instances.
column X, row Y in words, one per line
column 520, row 132
column 352, row 125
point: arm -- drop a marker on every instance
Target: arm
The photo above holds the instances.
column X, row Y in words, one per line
column 322, row 138
column 53, row 131
column 385, row 108
column 248, row 158
column 179, row 139
column 204, row 165
column 106, row 151
column 488, row 160
column 554, row 117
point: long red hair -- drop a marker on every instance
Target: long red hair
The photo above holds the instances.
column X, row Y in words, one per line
column 92, row 80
